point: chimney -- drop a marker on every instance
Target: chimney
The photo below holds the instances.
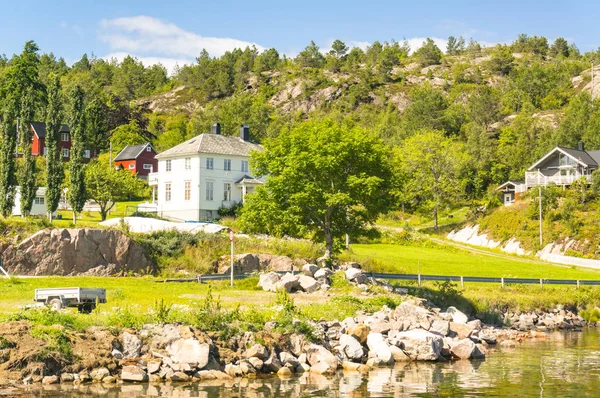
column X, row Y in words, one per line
column 245, row 132
column 216, row 128
column 580, row 146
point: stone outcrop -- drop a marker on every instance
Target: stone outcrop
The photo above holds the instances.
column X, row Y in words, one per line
column 77, row 251
column 248, row 263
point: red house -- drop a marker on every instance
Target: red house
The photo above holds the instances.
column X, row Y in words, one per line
column 38, row 146
column 138, row 159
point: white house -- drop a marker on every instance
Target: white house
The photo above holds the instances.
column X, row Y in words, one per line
column 39, row 203
column 210, row 171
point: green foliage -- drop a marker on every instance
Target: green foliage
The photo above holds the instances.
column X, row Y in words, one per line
column 212, row 317
column 8, row 179
column 161, row 311
column 591, row 315
column 76, row 194
column 429, row 53
column 54, row 168
column 58, row 345
column 27, row 172
column 501, row 60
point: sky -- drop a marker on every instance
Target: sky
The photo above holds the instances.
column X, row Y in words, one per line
column 175, row 32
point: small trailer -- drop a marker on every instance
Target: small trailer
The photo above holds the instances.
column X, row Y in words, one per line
column 84, row 299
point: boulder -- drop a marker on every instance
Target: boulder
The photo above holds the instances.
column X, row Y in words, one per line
column 133, row 373
column 377, row 345
column 440, row 327
column 132, row 345
column 413, row 317
column 322, row 368
column 322, row 273
column 47, row 380
column 247, row 368
column 153, row 365
column 180, row 376
column 308, row 283
column 351, row 347
column 257, row 351
column 67, row 377
column 353, row 273
column 380, row 327
column 288, row 282
column 398, row 354
column 462, row 349
column 77, row 251
column 98, row 374
column 248, row 263
column 309, row 269
column 419, row 344
column 302, row 368
column 359, row 331
column 318, row 354
column 457, row 315
column 284, row 372
column 287, row 358
column 189, row 351
column 479, row 352
column 269, row 281
column 256, row 363
column 272, row 364
column 462, row 331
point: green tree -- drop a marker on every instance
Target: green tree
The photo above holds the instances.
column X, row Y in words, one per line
column 8, row 143
column 455, row 46
column 27, row 175
column 107, row 186
column 126, row 134
column 433, row 163
column 325, row 178
column 96, row 129
column 501, row 60
column 310, row 57
column 54, row 168
column 560, row 48
column 339, row 48
column 77, row 193
column 429, row 53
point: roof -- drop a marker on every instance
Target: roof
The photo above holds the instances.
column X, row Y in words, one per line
column 212, row 144
column 131, row 152
column 509, row 182
column 249, row 180
column 582, row 157
column 39, row 129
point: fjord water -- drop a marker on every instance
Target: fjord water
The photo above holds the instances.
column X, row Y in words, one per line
column 563, row 365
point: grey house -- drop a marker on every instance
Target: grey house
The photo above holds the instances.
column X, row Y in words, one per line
column 561, row 166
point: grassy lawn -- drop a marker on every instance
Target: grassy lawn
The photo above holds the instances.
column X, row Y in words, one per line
column 452, row 261
column 423, row 222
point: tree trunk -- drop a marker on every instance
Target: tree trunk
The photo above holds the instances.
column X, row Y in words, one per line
column 435, row 218
column 74, row 217
column 328, row 238
column 50, row 217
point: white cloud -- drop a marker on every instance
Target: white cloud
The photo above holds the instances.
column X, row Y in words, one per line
column 152, row 37
column 168, row 63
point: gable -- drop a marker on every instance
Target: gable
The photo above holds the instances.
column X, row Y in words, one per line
column 552, row 159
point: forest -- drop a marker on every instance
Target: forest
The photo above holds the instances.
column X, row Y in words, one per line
column 501, row 107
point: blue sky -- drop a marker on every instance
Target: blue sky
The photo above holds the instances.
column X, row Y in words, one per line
column 159, row 31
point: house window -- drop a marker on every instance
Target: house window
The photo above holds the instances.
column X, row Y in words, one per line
column 210, row 163
column 188, row 189
column 148, row 148
column 147, row 166
column 227, row 164
column 86, row 154
column 188, row 163
column 245, row 168
column 168, row 192
column 209, row 190
column 227, row 191
column 168, row 165
column 65, row 152
column 45, row 150
column 131, row 166
column 64, row 137
column 40, row 200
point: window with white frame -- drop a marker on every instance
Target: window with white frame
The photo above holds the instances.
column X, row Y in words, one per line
column 65, row 152
column 227, row 191
column 45, row 150
column 210, row 163
column 168, row 192
column 168, row 165
column 245, row 167
column 227, row 164
column 148, row 148
column 147, row 166
column 86, row 154
column 39, row 200
column 64, row 137
column 187, row 190
column 131, row 166
column 188, row 163
column 209, row 190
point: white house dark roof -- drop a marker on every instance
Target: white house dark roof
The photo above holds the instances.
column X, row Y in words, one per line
column 131, row 152
column 212, row 144
column 584, row 158
column 249, row 180
column 39, row 129
column 510, row 182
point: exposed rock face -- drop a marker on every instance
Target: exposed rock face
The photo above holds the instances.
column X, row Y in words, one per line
column 248, row 263
column 419, row 345
column 86, row 251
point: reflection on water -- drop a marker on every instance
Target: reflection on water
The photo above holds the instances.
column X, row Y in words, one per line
column 566, row 365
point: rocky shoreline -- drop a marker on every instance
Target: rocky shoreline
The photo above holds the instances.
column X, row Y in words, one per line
column 412, row 331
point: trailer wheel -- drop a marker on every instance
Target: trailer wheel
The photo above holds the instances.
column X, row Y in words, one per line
column 55, row 304
column 86, row 308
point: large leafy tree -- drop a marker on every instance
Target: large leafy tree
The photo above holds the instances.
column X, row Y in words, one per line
column 27, row 175
column 433, row 163
column 77, row 193
column 8, row 143
column 54, row 169
column 429, row 53
column 106, row 185
column 325, row 178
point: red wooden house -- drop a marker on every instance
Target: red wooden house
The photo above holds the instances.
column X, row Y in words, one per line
column 38, row 147
column 138, row 159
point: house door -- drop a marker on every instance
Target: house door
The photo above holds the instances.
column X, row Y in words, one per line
column 507, row 199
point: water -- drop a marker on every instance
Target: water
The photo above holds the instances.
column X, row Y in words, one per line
column 564, row 365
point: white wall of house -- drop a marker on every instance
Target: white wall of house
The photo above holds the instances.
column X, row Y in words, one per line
column 207, row 187
column 39, row 203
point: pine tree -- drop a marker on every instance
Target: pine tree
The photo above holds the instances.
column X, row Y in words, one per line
column 28, row 170
column 8, row 142
column 77, row 194
column 54, row 168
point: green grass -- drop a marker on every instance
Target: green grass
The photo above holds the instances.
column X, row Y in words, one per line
column 423, row 221
column 452, row 261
